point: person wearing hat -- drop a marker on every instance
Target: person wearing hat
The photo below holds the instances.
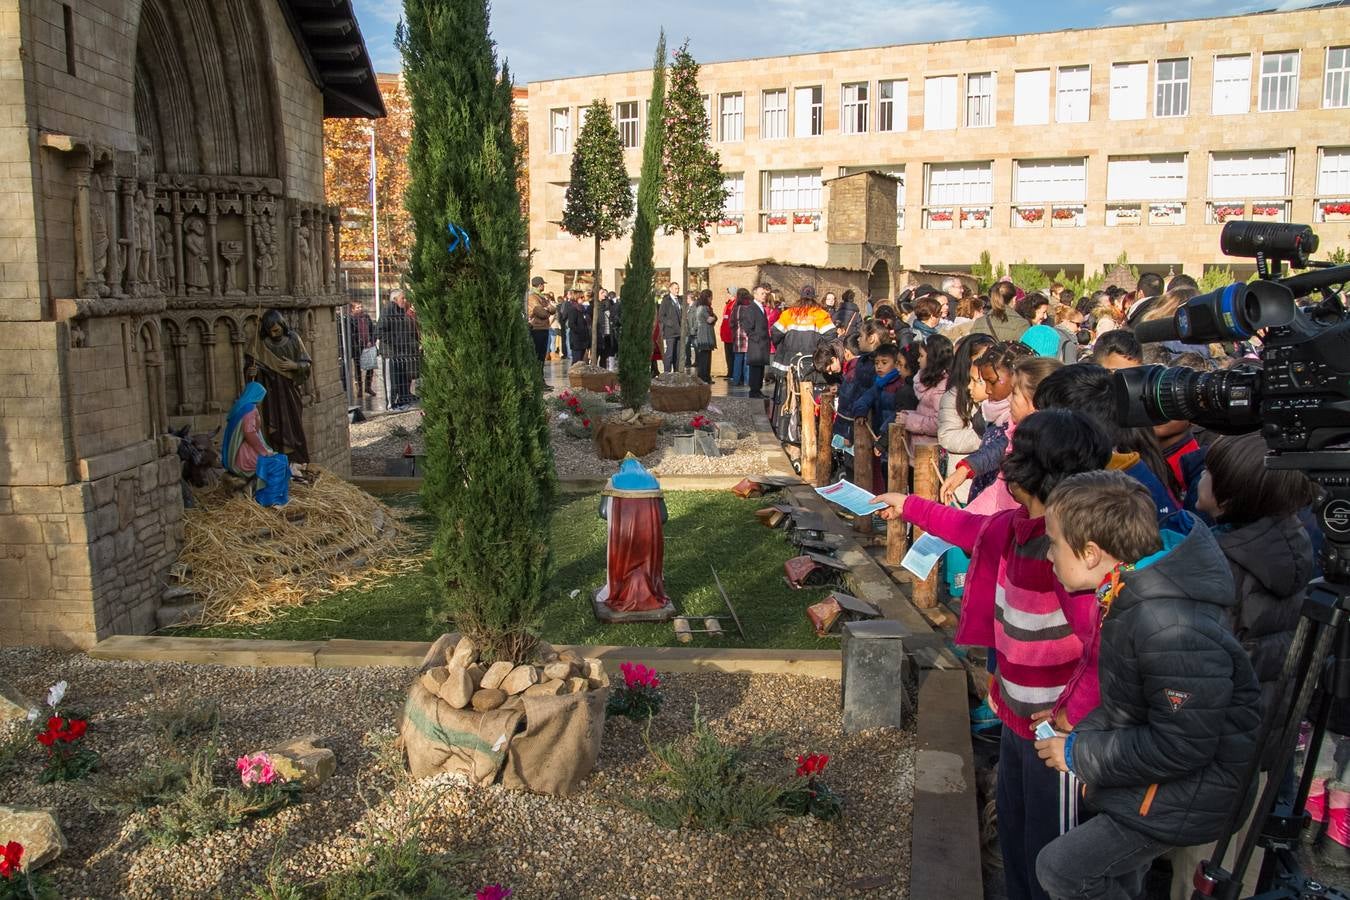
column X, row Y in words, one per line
column 1050, row 342
column 799, row 330
column 538, row 313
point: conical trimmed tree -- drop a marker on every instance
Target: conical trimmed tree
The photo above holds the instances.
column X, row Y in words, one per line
column 637, row 298
column 599, row 201
column 490, row 481
column 693, row 192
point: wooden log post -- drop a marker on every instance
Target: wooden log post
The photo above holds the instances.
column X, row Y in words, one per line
column 926, row 485
column 863, row 464
column 897, row 480
column 807, row 407
column 824, row 435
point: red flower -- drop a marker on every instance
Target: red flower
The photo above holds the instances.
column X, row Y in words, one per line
column 77, row 729
column 10, row 855
column 585, row 423
column 811, row 764
column 492, row 892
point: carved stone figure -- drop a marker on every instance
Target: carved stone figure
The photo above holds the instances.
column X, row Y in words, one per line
column 265, row 251
column 98, row 228
column 164, row 266
column 230, row 251
column 303, row 264
column 145, row 239
column 196, row 263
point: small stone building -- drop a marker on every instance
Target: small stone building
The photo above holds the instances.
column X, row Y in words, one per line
column 162, row 187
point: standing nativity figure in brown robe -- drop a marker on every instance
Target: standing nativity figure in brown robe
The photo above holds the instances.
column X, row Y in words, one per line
column 633, row 505
column 282, row 364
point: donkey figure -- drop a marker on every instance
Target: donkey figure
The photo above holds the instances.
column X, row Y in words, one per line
column 200, row 460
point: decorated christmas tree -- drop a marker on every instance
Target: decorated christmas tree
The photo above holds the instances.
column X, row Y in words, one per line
column 693, row 192
column 638, row 296
column 490, row 482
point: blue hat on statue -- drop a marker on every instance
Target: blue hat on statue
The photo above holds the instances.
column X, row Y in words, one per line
column 1043, row 340
column 632, row 480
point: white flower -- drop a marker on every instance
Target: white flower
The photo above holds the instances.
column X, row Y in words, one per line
column 33, row 714
column 57, row 692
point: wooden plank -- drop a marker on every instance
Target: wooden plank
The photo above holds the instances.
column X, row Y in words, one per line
column 807, row 405
column 811, row 663
column 863, row 463
column 897, row 545
column 824, row 435
column 208, row 651
column 926, row 485
column 945, row 833
column 340, row 653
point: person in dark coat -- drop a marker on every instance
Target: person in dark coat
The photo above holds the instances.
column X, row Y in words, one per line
column 1163, row 755
column 753, row 320
column 360, row 337
column 848, row 318
column 578, row 329
column 668, row 317
column 399, row 344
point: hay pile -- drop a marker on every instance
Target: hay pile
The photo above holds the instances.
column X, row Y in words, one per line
column 245, row 562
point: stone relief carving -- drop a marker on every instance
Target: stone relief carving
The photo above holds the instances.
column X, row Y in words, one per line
column 265, row 252
column 165, row 272
column 98, row 228
column 196, row 258
column 145, row 241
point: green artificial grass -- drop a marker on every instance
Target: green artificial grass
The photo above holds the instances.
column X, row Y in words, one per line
column 705, row 528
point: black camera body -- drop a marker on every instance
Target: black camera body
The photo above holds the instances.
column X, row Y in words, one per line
column 1299, row 397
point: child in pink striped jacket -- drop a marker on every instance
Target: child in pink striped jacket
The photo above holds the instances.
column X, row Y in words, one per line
column 1014, row 604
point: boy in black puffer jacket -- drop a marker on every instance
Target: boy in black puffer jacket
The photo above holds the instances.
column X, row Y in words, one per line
column 1162, row 755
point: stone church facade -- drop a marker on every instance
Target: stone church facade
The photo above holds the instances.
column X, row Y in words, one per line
column 161, row 187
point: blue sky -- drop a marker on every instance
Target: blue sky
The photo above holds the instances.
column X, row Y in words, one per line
column 544, row 39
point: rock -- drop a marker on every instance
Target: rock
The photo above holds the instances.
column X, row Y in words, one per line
column 516, row 702
column 175, row 594
column 465, row 655
column 488, row 699
column 457, row 689
column 558, row 671
column 439, row 652
column 495, row 674
column 432, row 679
column 521, row 677
column 169, row 616
column 544, row 652
column 301, row 760
column 595, row 670
column 545, row 689
column 577, row 685
column 476, row 674
column 13, row 704
column 570, row 656
column 36, row 829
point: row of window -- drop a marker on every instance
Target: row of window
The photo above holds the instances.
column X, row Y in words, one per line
column 883, row 106
column 1263, row 177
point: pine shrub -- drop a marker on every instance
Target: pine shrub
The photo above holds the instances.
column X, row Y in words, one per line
column 490, row 481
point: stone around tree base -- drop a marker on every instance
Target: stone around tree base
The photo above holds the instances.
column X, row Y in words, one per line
column 36, row 829
column 301, row 761
column 612, row 616
column 13, row 704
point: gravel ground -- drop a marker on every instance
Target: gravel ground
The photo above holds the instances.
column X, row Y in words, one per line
column 379, row 439
column 585, row 846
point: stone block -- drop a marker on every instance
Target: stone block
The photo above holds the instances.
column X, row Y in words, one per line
column 35, row 499
column 496, row 674
column 72, row 560
column 36, row 829
column 874, row 663
column 13, row 703
column 520, row 679
column 24, row 530
column 457, row 689
column 302, row 760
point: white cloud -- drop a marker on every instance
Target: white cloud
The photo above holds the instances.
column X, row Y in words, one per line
column 1169, row 10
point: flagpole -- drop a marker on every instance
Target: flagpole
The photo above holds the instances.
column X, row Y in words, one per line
column 375, row 223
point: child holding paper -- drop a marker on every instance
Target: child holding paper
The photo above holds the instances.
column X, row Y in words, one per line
column 1014, row 604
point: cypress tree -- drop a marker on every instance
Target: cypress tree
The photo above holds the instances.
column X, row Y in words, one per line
column 490, row 481
column 638, row 296
column 693, row 192
column 599, row 201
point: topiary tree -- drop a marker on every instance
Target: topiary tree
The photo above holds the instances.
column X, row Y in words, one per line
column 1215, row 278
column 693, row 192
column 639, row 273
column 1028, row 277
column 599, row 201
column 490, row 482
column 983, row 272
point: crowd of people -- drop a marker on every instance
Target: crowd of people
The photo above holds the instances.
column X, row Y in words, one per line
column 1137, row 589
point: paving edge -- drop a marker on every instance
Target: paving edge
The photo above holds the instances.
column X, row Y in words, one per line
column 944, row 859
column 342, row 653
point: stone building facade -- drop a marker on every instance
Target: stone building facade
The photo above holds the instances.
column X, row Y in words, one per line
column 161, row 188
column 1063, row 149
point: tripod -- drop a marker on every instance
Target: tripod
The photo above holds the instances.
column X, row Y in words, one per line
column 1323, row 634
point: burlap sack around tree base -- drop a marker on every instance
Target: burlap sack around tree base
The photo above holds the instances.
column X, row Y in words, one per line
column 548, row 747
column 681, row 398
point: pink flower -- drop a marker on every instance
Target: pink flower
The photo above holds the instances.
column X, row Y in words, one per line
column 256, row 769
column 492, row 892
column 636, row 675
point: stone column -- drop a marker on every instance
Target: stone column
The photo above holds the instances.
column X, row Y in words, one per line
column 127, row 187
column 211, row 247
column 86, row 278
column 335, row 222
column 297, row 264
column 110, row 276
column 209, row 365
column 180, row 343
column 251, row 282
column 237, row 343
column 179, row 273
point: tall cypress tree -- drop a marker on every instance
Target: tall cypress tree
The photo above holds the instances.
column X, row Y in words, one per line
column 693, row 192
column 490, row 481
column 599, row 201
column 638, row 295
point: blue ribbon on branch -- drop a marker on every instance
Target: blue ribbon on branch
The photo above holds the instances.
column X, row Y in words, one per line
column 458, row 237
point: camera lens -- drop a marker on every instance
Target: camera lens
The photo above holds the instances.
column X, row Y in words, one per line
column 1219, row 400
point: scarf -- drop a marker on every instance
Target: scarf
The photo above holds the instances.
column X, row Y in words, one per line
column 234, row 435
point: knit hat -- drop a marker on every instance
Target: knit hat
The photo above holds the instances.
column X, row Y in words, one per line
column 1042, row 339
column 808, row 292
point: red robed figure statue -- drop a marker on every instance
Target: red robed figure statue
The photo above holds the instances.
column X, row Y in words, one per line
column 633, row 504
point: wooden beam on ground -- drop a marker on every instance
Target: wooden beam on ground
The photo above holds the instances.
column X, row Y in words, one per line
column 807, row 408
column 863, row 463
column 824, row 435
column 945, row 832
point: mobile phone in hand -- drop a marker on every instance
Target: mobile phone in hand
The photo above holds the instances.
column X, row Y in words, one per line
column 1045, row 731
